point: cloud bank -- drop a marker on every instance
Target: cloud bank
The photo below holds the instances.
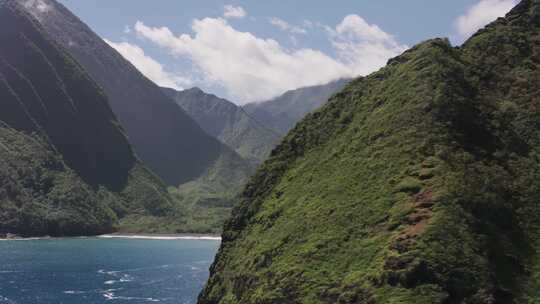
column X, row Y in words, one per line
column 255, row 69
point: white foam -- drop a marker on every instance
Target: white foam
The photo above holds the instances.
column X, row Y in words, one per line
column 164, row 238
column 27, row 239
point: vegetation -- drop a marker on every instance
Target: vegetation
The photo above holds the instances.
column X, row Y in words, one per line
column 211, row 196
column 200, row 206
column 416, row 184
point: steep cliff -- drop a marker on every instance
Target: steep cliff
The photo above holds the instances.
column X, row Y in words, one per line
column 67, row 166
column 166, row 139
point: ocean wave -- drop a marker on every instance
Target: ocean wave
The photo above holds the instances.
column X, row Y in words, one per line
column 164, row 238
column 4, row 300
column 109, row 295
column 26, row 239
column 9, row 271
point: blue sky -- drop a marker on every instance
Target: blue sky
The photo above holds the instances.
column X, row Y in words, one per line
column 254, row 50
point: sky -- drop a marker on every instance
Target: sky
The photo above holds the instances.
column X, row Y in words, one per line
column 254, row 50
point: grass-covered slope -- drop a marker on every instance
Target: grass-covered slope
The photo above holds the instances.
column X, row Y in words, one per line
column 67, row 167
column 417, row 184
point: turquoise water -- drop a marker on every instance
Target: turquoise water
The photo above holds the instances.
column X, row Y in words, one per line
column 97, row 270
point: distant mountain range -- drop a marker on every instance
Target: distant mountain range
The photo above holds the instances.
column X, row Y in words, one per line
column 283, row 112
column 255, row 129
column 164, row 137
column 228, row 123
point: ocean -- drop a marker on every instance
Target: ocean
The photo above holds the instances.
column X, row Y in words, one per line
column 104, row 270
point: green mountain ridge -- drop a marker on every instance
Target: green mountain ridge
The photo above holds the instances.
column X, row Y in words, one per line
column 67, row 166
column 416, row 184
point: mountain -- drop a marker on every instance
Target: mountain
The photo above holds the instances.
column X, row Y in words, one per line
column 163, row 136
column 67, row 166
column 417, row 184
column 227, row 122
column 283, row 112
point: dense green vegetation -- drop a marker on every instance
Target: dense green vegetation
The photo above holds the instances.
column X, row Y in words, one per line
column 200, row 206
column 417, row 184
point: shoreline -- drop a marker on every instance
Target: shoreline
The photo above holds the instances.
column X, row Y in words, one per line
column 159, row 236
column 119, row 235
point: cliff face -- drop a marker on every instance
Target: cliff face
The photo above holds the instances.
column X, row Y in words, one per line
column 53, row 93
column 417, row 184
column 228, row 123
column 162, row 134
column 67, row 166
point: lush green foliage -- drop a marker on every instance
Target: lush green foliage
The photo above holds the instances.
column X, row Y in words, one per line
column 417, row 184
column 40, row 195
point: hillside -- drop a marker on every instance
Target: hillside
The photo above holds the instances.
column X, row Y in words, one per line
column 416, row 184
column 67, row 166
column 165, row 138
column 283, row 112
column 227, row 122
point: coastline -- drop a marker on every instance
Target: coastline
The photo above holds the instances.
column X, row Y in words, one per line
column 135, row 236
column 149, row 236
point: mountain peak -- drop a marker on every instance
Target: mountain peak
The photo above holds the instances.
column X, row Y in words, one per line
column 195, row 90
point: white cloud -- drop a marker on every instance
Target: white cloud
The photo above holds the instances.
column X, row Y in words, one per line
column 234, row 12
column 254, row 69
column 148, row 66
column 285, row 26
column 127, row 29
column 481, row 14
column 363, row 47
